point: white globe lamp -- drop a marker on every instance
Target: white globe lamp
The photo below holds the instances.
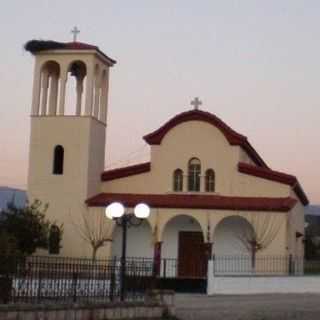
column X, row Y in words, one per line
column 142, row 211
column 114, row 210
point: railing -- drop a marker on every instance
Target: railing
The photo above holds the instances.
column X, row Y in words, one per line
column 169, row 267
column 165, row 268
column 49, row 279
column 245, row 265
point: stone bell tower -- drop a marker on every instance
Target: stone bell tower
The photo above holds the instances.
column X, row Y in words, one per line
column 66, row 155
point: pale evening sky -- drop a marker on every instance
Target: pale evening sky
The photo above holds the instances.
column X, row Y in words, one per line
column 255, row 64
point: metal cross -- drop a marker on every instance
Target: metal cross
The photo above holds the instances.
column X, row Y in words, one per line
column 75, row 32
column 196, row 102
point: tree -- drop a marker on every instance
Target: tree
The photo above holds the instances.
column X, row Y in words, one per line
column 95, row 229
column 263, row 229
column 26, row 227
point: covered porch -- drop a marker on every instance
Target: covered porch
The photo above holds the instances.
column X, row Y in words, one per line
column 184, row 232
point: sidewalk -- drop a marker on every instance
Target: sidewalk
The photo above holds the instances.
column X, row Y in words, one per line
column 248, row 307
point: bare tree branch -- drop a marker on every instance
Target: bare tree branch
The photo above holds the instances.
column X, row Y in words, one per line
column 93, row 228
column 263, row 229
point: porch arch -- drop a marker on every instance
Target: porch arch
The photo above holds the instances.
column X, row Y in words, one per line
column 139, row 241
column 193, row 218
column 170, row 233
column 227, row 233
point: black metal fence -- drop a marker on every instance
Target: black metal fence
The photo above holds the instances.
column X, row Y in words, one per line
column 242, row 265
column 48, row 279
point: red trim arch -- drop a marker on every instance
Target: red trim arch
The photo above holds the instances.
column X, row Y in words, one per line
column 233, row 137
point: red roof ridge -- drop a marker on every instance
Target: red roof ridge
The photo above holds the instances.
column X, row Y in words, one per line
column 86, row 46
column 195, row 201
column 126, row 171
column 80, row 45
column 233, row 137
column 277, row 176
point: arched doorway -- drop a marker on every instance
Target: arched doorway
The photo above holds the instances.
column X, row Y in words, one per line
column 183, row 248
column 139, row 241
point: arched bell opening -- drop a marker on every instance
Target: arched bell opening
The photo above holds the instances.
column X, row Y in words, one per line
column 75, row 88
column 49, row 92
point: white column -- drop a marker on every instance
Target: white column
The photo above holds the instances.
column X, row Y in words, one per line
column 63, row 81
column 185, row 183
column 54, row 79
column 79, row 95
column 36, row 90
column 89, row 90
column 202, row 183
column 104, row 97
column 44, row 85
column 96, row 97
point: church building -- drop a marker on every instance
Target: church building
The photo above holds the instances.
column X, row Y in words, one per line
column 205, row 183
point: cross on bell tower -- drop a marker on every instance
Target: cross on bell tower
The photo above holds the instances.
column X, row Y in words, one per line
column 196, row 102
column 75, row 31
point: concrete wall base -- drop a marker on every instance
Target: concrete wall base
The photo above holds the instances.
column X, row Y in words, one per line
column 83, row 312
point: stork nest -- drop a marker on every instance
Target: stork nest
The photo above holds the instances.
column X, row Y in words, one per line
column 35, row 46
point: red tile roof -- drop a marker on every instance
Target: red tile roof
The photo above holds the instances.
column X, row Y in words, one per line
column 233, row 137
column 86, row 46
column 194, row 201
column 125, row 171
column 274, row 176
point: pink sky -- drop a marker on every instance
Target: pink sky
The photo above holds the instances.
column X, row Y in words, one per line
column 254, row 64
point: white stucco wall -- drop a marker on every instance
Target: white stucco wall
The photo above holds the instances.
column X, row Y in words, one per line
column 82, row 138
column 260, row 285
column 296, row 223
column 206, row 142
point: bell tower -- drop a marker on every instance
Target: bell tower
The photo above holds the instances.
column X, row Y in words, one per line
column 68, row 130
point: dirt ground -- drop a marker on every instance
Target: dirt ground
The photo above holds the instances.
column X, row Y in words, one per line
column 248, row 307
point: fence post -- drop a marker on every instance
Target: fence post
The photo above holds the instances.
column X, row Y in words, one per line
column 39, row 287
column 74, row 286
column 291, row 267
column 113, row 278
column 214, row 264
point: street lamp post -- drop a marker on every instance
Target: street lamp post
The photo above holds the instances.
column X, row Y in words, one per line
column 116, row 212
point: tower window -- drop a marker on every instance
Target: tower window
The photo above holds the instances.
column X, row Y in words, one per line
column 58, row 158
column 210, row 180
column 178, row 180
column 194, row 171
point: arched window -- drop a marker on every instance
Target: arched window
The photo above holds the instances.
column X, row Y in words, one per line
column 58, row 159
column 210, row 180
column 178, row 180
column 194, row 171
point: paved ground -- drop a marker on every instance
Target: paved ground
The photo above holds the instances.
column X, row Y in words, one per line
column 248, row 307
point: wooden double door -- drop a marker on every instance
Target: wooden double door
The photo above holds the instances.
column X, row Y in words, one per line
column 192, row 258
